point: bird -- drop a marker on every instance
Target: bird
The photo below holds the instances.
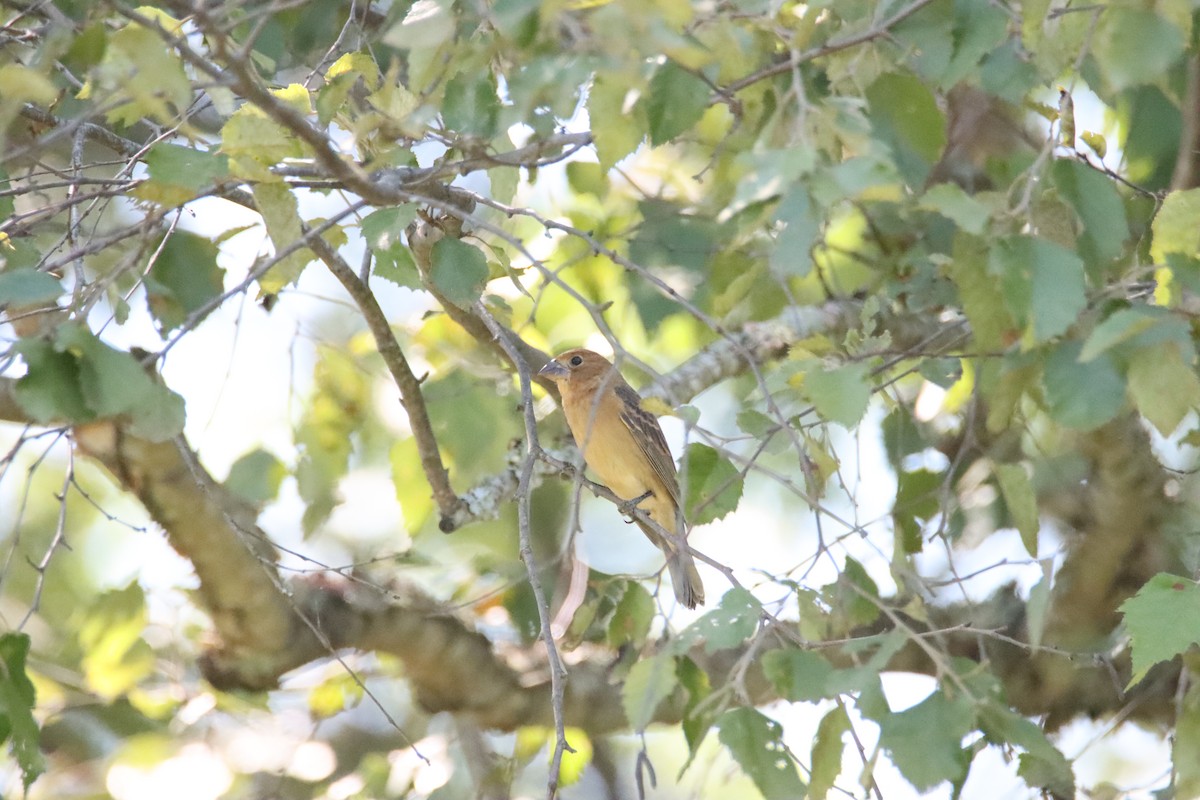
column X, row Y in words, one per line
column 624, row 446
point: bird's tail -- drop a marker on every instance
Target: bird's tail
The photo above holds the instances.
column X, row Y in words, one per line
column 685, row 578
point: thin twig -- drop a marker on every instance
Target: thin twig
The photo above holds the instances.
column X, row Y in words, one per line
column 558, row 673
column 788, row 64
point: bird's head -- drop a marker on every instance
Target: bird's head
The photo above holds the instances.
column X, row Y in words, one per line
column 576, row 367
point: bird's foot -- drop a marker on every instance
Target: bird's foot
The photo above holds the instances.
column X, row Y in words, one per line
column 626, row 508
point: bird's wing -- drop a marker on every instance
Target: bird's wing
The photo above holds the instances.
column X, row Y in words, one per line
column 649, row 436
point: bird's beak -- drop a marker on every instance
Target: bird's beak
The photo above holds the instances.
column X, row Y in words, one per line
column 554, row 371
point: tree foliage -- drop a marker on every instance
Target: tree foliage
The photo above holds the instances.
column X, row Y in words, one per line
column 913, row 285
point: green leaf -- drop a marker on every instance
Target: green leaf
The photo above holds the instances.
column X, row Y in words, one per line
column 78, row 378
column 253, row 142
column 1037, row 606
column 178, row 173
column 1123, row 325
column 1083, row 396
column 905, row 116
column 756, row 743
column 49, row 390
column 840, row 394
column 798, row 675
column 334, row 695
column 412, row 487
column 919, row 495
column 675, row 102
column 277, row 204
column 1043, row 284
column 1022, row 503
column 576, row 760
column 184, row 279
column 256, row 476
column 1163, row 620
column 617, row 132
column 979, row 27
column 700, row 713
column 1095, row 199
column 115, row 656
column 827, row 752
column 667, row 237
column 792, row 255
column 650, row 681
column 630, row 623
column 139, row 68
column 428, row 24
column 732, row 622
column 516, row 19
column 1163, row 388
column 1007, row 73
column 1121, row 46
column 459, row 271
column 854, row 596
column 17, row 701
column 20, row 84
column 114, row 383
column 1174, row 228
column 1042, row 764
column 925, row 741
column 982, row 301
column 755, row 423
column 23, row 287
column 964, row 210
column 471, row 105
column 383, row 231
column 713, row 484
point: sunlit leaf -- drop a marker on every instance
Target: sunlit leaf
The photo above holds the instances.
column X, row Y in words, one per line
column 279, row 209
column 1163, row 620
column 840, row 394
column 1174, row 228
column 115, row 657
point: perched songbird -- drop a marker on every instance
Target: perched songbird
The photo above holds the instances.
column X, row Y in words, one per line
column 624, row 445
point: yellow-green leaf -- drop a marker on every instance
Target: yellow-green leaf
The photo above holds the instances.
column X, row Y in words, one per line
column 277, row 205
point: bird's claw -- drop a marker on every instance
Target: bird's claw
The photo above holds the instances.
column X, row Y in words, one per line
column 626, row 508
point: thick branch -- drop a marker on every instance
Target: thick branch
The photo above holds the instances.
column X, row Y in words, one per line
column 213, row 529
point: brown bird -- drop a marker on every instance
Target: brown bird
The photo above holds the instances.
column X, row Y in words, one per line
column 624, row 445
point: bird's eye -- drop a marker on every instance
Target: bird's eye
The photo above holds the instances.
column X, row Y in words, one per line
column 576, row 361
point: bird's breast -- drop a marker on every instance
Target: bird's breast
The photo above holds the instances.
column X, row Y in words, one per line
column 611, row 451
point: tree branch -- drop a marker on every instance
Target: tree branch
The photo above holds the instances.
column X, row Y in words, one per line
column 411, row 398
